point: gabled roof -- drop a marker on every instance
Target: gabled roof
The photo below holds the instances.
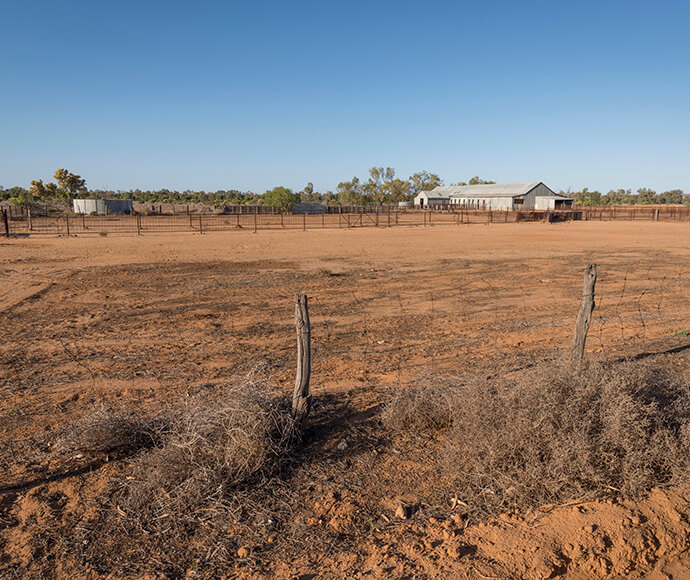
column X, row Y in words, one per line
column 494, row 189
column 488, row 190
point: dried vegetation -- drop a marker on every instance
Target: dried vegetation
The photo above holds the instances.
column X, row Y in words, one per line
column 204, row 485
column 552, row 434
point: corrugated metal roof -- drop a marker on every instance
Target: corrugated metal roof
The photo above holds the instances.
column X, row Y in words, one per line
column 491, row 189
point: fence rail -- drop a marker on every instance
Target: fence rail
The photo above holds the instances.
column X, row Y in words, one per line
column 142, row 224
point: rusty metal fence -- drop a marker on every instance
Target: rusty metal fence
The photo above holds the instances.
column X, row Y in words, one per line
column 200, row 223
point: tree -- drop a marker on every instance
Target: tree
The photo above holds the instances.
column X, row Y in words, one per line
column 476, row 181
column 398, row 190
column 646, row 196
column 378, row 186
column 24, row 198
column 672, row 196
column 37, row 189
column 70, row 183
column 350, row 192
column 281, row 198
column 423, row 181
column 308, row 194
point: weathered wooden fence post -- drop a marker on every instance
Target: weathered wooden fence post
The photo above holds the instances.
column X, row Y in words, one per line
column 301, row 399
column 67, row 223
column 138, row 224
column 6, row 223
column 31, row 223
column 584, row 315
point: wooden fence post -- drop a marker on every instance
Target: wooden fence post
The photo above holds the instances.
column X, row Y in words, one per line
column 584, row 315
column 304, row 222
column 31, row 223
column 255, row 219
column 6, row 223
column 201, row 224
column 138, row 224
column 301, row 399
column 67, row 223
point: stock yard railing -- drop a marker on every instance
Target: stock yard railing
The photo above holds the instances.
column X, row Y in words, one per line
column 386, row 217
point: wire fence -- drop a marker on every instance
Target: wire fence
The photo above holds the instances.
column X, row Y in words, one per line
column 380, row 330
column 26, row 224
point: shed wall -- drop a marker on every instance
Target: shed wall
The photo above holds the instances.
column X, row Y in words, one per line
column 102, row 206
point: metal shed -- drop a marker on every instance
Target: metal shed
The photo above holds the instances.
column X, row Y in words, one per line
column 438, row 196
column 102, row 206
column 309, row 207
column 504, row 196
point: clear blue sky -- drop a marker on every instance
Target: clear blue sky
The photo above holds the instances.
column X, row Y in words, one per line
column 253, row 94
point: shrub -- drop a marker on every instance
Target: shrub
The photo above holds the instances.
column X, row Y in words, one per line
column 424, row 409
column 102, row 432
column 209, row 477
column 552, row 434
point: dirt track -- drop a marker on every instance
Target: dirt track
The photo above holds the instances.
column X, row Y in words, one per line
column 138, row 320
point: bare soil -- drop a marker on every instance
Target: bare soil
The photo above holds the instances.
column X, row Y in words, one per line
column 138, row 322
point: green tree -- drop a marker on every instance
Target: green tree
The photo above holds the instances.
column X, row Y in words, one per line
column 38, row 190
column 378, row 187
column 70, row 183
column 646, row 196
column 423, row 181
column 281, row 198
column 24, row 198
column 350, row 192
column 398, row 190
column 477, row 181
column 674, row 196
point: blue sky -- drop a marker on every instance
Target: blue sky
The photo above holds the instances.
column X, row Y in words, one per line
column 249, row 95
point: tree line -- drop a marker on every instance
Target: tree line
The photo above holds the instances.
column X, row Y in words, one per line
column 643, row 196
column 380, row 187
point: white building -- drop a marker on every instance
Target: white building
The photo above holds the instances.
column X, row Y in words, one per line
column 496, row 196
column 438, row 196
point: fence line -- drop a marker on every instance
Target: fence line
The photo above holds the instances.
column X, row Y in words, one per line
column 200, row 223
column 373, row 340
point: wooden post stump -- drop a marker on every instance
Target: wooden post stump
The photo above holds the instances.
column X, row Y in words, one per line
column 584, row 315
column 301, row 399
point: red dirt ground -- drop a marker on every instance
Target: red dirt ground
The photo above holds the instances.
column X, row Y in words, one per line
column 138, row 321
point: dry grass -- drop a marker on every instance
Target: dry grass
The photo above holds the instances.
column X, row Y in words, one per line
column 425, row 409
column 203, row 489
column 103, row 432
column 551, row 434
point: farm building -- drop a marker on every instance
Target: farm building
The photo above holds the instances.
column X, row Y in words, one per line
column 309, row 207
column 102, row 206
column 532, row 195
column 435, row 197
